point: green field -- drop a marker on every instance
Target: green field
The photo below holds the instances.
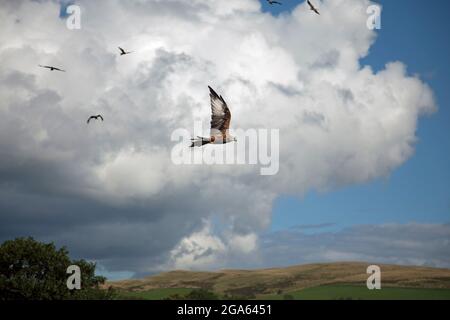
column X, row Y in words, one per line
column 154, row 294
column 334, row 292
column 346, row 292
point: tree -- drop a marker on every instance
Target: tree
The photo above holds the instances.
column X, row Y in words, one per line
column 201, row 294
column 197, row 294
column 31, row 270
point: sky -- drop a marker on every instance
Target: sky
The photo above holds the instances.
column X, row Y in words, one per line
column 419, row 191
column 362, row 117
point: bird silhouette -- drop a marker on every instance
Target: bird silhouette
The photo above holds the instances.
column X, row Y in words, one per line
column 52, row 68
column 123, row 52
column 313, row 8
column 220, row 122
column 95, row 117
column 272, row 2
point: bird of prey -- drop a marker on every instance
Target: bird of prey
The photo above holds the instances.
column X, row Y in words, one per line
column 95, row 117
column 272, row 2
column 220, row 122
column 123, row 52
column 52, row 68
column 313, row 8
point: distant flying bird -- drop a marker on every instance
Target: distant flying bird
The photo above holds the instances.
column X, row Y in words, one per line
column 95, row 117
column 313, row 8
column 272, row 2
column 220, row 122
column 123, row 52
column 52, row 68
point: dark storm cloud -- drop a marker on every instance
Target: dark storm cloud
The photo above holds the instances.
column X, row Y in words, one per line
column 45, row 182
column 119, row 237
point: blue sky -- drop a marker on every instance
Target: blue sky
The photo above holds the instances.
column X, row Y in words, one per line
column 63, row 9
column 419, row 191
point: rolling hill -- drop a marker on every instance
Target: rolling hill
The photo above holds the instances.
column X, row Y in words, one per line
column 276, row 282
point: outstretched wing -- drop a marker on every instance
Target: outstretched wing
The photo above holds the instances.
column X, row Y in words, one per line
column 100, row 117
column 220, row 114
column 313, row 8
column 122, row 51
column 90, row 118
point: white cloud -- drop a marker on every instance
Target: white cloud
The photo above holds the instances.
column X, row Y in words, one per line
column 243, row 243
column 199, row 250
column 205, row 249
column 340, row 123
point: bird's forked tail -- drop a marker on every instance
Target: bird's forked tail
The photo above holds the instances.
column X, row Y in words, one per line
column 199, row 141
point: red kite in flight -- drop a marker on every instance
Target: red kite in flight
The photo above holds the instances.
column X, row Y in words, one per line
column 123, row 52
column 52, row 68
column 220, row 122
column 95, row 117
column 313, row 8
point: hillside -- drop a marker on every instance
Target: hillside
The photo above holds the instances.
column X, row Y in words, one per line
column 283, row 280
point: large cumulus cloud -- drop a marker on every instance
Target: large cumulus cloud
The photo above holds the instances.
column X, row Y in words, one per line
column 111, row 192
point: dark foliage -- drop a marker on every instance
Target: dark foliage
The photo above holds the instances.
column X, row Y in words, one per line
column 31, row 270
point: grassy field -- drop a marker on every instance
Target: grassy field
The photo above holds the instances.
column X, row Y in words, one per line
column 318, row 281
column 345, row 292
column 335, row 292
column 154, row 294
